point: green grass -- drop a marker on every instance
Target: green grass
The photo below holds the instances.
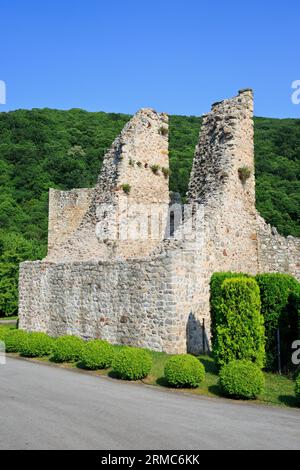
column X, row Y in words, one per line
column 279, row 389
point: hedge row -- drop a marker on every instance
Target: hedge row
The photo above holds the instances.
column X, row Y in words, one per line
column 280, row 299
column 237, row 379
column 127, row 363
column 280, row 307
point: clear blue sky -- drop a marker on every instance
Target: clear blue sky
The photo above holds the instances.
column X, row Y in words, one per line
column 175, row 56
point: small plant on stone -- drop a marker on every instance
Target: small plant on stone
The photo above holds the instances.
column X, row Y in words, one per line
column 163, row 130
column 155, row 169
column 244, row 173
column 126, row 188
column 131, row 162
column 166, row 172
column 139, row 164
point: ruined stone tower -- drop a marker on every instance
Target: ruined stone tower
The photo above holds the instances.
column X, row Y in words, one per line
column 126, row 264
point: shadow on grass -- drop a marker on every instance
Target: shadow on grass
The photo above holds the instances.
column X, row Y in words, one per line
column 80, row 365
column 162, row 381
column 209, row 364
column 113, row 375
column 289, row 400
column 216, row 390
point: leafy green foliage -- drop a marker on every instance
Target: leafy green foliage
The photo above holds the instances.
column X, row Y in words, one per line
column 277, row 164
column 184, row 370
column 280, row 300
column 216, row 282
column 42, row 148
column 67, row 349
column 97, row 354
column 239, row 333
column 241, row 379
column 14, row 248
column 4, row 330
column 132, row 363
column 14, row 340
column 36, row 345
column 297, row 387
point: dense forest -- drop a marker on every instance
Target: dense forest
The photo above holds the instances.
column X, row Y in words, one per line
column 44, row 148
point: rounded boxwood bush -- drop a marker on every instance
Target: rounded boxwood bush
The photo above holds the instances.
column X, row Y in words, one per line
column 36, row 345
column 241, row 379
column 132, row 363
column 297, row 388
column 67, row 349
column 14, row 340
column 97, row 354
column 184, row 370
column 3, row 332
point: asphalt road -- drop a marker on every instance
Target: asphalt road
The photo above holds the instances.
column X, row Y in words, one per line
column 44, row 407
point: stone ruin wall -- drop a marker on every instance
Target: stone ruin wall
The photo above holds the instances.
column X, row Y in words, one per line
column 154, row 293
column 130, row 302
column 142, row 144
column 229, row 215
column 277, row 253
column 66, row 210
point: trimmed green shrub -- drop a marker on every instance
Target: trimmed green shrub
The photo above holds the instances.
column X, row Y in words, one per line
column 216, row 282
column 184, row 370
column 67, row 349
column 36, row 345
column 3, row 332
column 97, row 354
column 280, row 306
column 297, row 388
column 132, row 363
column 240, row 330
column 14, row 340
column 241, row 379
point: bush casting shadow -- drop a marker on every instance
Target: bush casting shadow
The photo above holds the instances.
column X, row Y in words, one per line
column 209, row 365
column 216, row 390
column 289, row 400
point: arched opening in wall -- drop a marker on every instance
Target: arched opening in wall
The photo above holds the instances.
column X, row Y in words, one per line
column 172, row 224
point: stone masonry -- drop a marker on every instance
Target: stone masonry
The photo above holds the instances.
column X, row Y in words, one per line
column 127, row 263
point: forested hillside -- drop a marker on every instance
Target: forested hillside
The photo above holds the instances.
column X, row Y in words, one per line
column 45, row 148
